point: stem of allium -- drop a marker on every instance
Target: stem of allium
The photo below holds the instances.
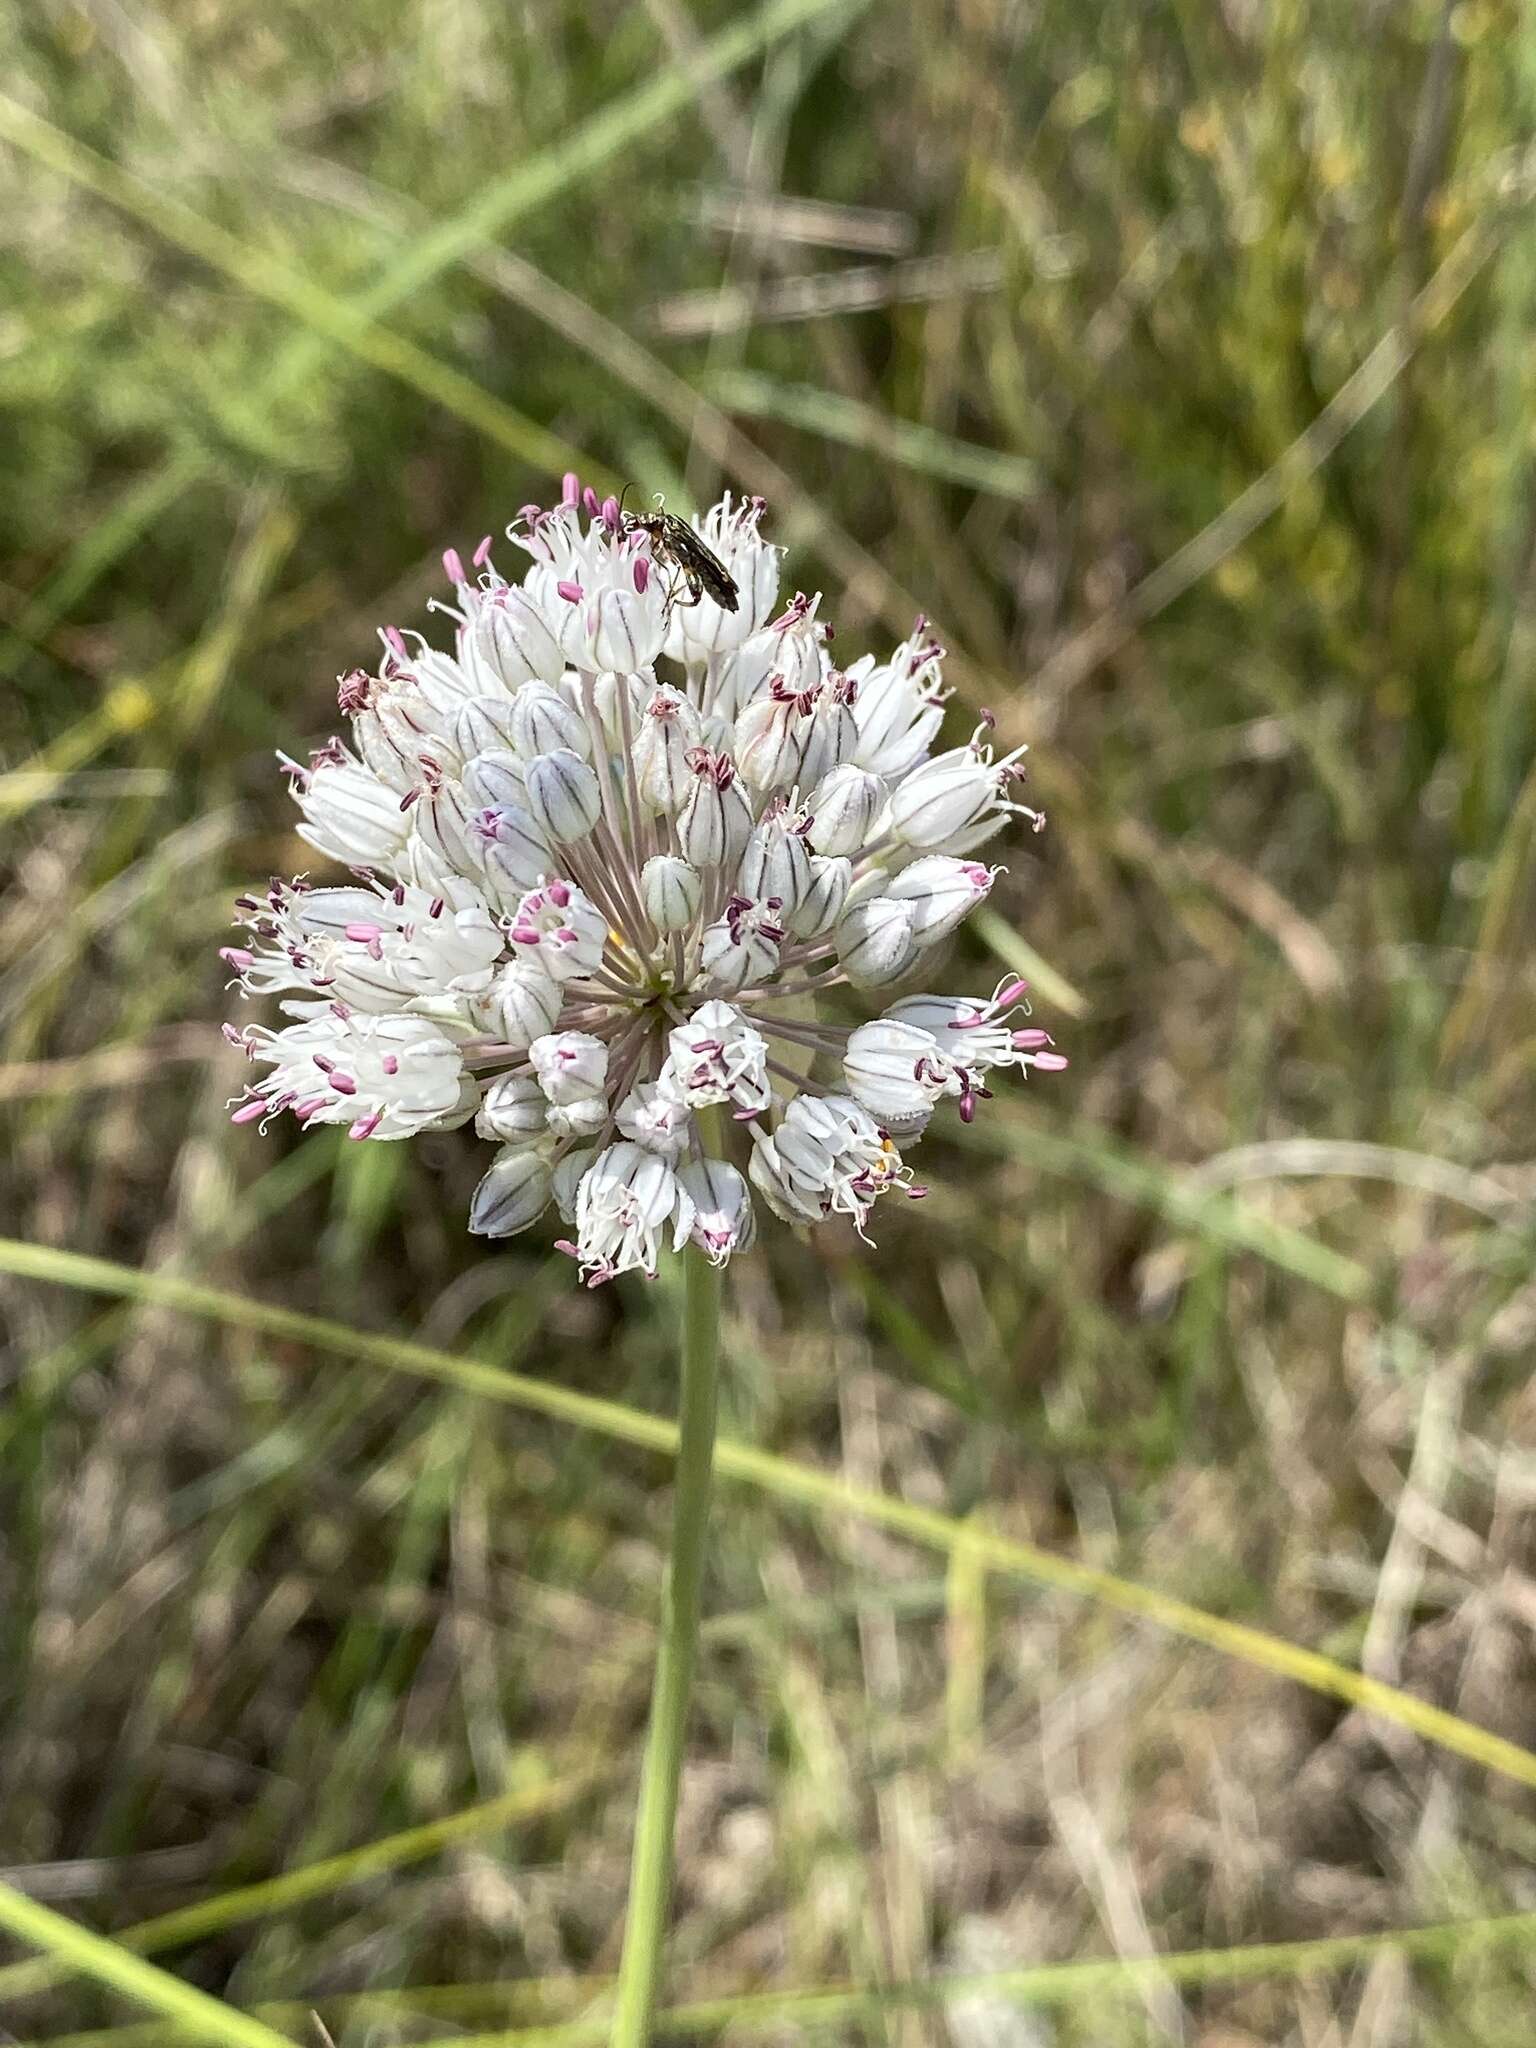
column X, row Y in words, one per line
column 650, row 1878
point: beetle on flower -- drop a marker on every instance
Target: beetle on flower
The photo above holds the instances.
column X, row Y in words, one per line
column 608, row 853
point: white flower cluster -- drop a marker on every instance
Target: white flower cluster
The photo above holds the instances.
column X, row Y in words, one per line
column 607, row 854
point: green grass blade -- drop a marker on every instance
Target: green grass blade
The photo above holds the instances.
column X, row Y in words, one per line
column 596, row 142
column 1149, row 1184
column 313, row 1880
column 353, row 324
column 1048, row 1984
column 267, row 277
column 1019, row 956
column 854, row 425
column 103, row 542
column 88, row 1953
column 786, row 1479
column 1041, row 1985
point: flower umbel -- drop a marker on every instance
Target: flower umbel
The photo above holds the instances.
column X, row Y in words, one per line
column 608, row 854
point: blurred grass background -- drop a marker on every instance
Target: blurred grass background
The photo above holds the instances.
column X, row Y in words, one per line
column 1176, row 355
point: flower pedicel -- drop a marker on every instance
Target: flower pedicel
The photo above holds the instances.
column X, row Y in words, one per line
column 607, row 855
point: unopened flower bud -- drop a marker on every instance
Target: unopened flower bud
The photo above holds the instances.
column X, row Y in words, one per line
column 844, row 806
column 875, row 943
column 512, row 1110
column 583, row 1119
column 512, row 1195
column 495, row 777
column 826, row 896
column 544, row 721
column 671, row 891
column 568, row 1176
column 482, row 726
column 565, row 797
column 525, row 1002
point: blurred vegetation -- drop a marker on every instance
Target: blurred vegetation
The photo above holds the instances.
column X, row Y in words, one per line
column 1177, row 358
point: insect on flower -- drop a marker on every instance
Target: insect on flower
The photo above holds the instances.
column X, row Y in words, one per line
column 673, row 541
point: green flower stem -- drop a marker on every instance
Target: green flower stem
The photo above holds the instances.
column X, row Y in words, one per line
column 650, row 1877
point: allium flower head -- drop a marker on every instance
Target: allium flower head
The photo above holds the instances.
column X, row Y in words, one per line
column 607, row 856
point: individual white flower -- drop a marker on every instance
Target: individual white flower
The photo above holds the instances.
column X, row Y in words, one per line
column 384, row 1077
column 825, row 898
column 776, row 865
column 834, row 734
column 560, row 928
column 776, row 740
column 724, row 1220
column 828, row 1157
column 368, row 947
column 980, row 1034
column 614, row 698
column 742, row 946
column 447, row 831
column 955, row 792
column 627, row 1200
column 656, row 1118
column 350, row 814
column 715, row 822
column 598, row 589
column 898, row 1072
column 608, row 855
column 670, row 728
column 514, row 850
column 506, row 639
column 404, row 716
column 800, row 639
column 746, row 673
column 942, row 891
column 717, row 1056
column 570, row 1066
column 899, row 705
